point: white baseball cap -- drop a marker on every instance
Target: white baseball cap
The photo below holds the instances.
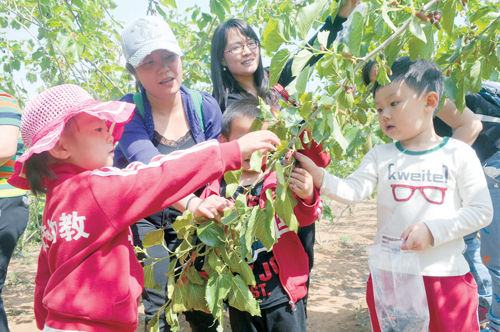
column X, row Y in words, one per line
column 145, row 35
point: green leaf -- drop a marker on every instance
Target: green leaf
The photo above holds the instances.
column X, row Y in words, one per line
column 195, row 278
column 307, row 15
column 273, row 35
column 450, row 89
column 299, row 61
column 355, row 138
column 256, row 161
column 232, row 260
column 265, row 229
column 382, row 77
column 230, row 217
column 217, row 288
column 248, row 231
column 169, row 3
column 211, row 234
column 217, row 9
column 416, row 30
column 232, row 180
column 153, row 238
column 284, row 204
column 460, row 97
column 149, row 279
column 247, row 273
column 394, row 49
column 78, row 3
column 356, row 34
column 481, row 12
column 475, row 77
column 179, row 300
column 301, row 81
column 241, row 298
column 278, row 62
column 346, row 100
column 62, row 41
column 323, row 38
column 195, row 296
column 257, row 124
column 386, row 17
column 449, row 13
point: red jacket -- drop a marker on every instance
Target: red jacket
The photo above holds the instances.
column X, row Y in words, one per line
column 88, row 276
column 289, row 253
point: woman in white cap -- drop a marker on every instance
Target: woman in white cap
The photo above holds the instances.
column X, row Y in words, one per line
column 168, row 117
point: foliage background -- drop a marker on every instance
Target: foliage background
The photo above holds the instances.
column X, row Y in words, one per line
column 77, row 41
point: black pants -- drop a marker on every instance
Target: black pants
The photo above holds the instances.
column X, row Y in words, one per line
column 280, row 318
column 152, row 299
column 14, row 217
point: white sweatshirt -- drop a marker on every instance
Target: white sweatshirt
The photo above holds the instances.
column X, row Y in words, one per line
column 449, row 194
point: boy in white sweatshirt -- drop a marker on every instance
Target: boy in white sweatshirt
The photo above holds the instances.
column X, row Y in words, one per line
column 431, row 192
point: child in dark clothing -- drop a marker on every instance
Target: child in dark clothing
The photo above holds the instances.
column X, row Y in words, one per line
column 88, row 277
column 281, row 273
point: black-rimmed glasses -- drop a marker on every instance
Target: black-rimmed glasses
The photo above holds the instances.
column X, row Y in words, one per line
column 253, row 44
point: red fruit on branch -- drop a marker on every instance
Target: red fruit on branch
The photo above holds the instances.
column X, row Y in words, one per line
column 437, row 15
column 184, row 279
column 437, row 25
column 448, row 73
column 346, row 55
column 193, row 256
column 422, row 16
column 180, row 283
column 394, row 3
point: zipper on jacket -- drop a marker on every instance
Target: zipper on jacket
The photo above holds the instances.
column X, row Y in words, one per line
column 294, row 307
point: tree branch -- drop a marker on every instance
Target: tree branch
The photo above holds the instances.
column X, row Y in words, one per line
column 289, row 145
column 396, row 34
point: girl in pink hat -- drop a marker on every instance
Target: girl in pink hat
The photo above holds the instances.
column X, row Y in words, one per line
column 88, row 277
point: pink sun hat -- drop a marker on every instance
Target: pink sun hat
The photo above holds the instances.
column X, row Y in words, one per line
column 44, row 118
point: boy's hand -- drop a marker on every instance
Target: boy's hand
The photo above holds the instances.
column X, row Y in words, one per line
column 301, row 183
column 310, row 167
column 257, row 140
column 211, row 206
column 417, row 237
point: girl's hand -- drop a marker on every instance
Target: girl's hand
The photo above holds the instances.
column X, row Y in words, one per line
column 301, row 183
column 211, row 207
column 417, row 237
column 257, row 140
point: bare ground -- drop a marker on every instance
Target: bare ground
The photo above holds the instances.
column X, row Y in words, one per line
column 338, row 280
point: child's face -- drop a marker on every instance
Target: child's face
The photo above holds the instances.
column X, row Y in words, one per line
column 160, row 73
column 402, row 114
column 89, row 144
column 240, row 126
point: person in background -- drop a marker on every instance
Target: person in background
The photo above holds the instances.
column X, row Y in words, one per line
column 237, row 72
column 168, row 117
column 280, row 272
column 14, row 210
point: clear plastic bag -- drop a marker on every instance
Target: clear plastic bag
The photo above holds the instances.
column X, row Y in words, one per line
column 398, row 288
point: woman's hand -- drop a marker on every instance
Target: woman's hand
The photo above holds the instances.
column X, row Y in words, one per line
column 301, row 183
column 348, row 7
column 211, row 207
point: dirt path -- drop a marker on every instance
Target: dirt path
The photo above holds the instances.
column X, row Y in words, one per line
column 338, row 280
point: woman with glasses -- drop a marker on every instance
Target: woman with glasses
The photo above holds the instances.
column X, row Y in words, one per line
column 238, row 73
column 168, row 117
column 237, row 69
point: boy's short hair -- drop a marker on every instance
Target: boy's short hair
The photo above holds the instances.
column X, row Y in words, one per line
column 246, row 107
column 421, row 75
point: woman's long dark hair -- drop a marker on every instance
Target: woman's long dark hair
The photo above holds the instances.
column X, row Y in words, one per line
column 222, row 80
